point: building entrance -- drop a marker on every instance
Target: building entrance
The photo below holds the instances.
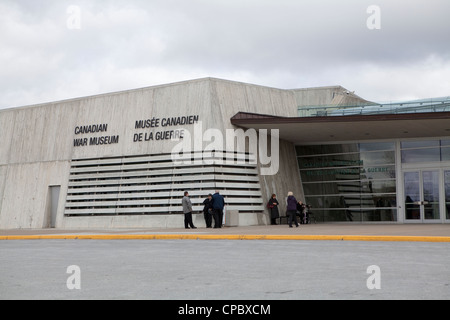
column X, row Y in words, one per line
column 422, row 195
column 427, row 195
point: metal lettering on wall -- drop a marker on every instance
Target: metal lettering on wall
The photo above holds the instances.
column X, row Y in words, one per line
column 93, row 141
column 163, row 122
column 159, row 135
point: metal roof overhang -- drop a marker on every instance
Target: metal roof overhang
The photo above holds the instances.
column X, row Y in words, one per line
column 305, row 130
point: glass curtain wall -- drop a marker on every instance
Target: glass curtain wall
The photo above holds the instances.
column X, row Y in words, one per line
column 447, row 194
column 425, row 151
column 350, row 182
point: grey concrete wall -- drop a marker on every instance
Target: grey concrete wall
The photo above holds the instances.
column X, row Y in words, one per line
column 7, row 122
column 46, row 132
column 37, row 141
column 25, row 193
column 327, row 96
column 3, row 170
column 287, row 179
column 316, row 96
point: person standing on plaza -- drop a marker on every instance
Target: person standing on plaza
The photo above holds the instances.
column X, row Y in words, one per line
column 208, row 211
column 273, row 209
column 218, row 203
column 187, row 210
column 301, row 208
column 292, row 209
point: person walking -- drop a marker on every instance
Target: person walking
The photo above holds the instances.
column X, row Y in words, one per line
column 273, row 208
column 208, row 211
column 292, row 209
column 218, row 203
column 187, row 210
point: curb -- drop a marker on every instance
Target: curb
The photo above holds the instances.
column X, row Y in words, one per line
column 231, row 237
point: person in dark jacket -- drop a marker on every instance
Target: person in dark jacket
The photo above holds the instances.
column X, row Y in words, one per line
column 301, row 208
column 208, row 211
column 292, row 209
column 218, row 203
column 273, row 208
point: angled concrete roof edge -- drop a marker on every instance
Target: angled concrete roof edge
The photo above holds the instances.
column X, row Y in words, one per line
column 106, row 94
column 252, row 115
column 319, row 88
column 40, row 104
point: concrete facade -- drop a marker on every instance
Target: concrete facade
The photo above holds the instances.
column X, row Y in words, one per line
column 41, row 144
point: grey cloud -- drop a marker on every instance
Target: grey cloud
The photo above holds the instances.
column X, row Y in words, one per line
column 278, row 43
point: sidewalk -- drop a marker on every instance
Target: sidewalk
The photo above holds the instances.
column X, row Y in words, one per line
column 346, row 231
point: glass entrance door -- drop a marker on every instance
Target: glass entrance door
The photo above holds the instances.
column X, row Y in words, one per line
column 447, row 194
column 422, row 196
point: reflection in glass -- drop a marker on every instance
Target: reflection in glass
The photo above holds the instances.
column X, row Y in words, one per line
column 378, row 158
column 327, row 149
column 376, row 146
column 447, row 194
column 350, row 182
column 425, row 151
column 431, row 194
column 421, row 155
column 445, row 154
column 412, row 195
column 420, row 144
column 359, row 201
column 347, row 187
column 350, row 215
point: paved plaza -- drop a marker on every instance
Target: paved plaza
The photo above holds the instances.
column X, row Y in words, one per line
column 229, row 269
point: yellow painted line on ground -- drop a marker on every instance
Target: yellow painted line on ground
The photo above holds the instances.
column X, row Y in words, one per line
column 229, row 237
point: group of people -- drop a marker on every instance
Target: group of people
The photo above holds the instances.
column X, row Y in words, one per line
column 292, row 207
column 213, row 209
column 215, row 203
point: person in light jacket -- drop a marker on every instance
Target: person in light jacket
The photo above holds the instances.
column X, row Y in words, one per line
column 187, row 210
column 292, row 209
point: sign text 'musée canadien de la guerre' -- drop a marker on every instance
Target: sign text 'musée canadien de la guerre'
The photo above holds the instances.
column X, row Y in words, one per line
column 81, row 131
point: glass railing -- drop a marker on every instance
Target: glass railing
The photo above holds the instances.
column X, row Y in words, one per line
column 416, row 106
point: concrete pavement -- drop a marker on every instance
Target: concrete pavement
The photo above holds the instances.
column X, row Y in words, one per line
column 233, row 270
column 224, row 270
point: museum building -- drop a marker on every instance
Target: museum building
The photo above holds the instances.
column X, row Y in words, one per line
column 124, row 159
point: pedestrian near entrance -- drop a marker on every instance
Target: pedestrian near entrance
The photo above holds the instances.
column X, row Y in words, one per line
column 218, row 203
column 208, row 211
column 187, row 210
column 273, row 209
column 292, row 209
column 303, row 214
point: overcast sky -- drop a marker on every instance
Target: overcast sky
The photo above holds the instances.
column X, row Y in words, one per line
column 48, row 54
